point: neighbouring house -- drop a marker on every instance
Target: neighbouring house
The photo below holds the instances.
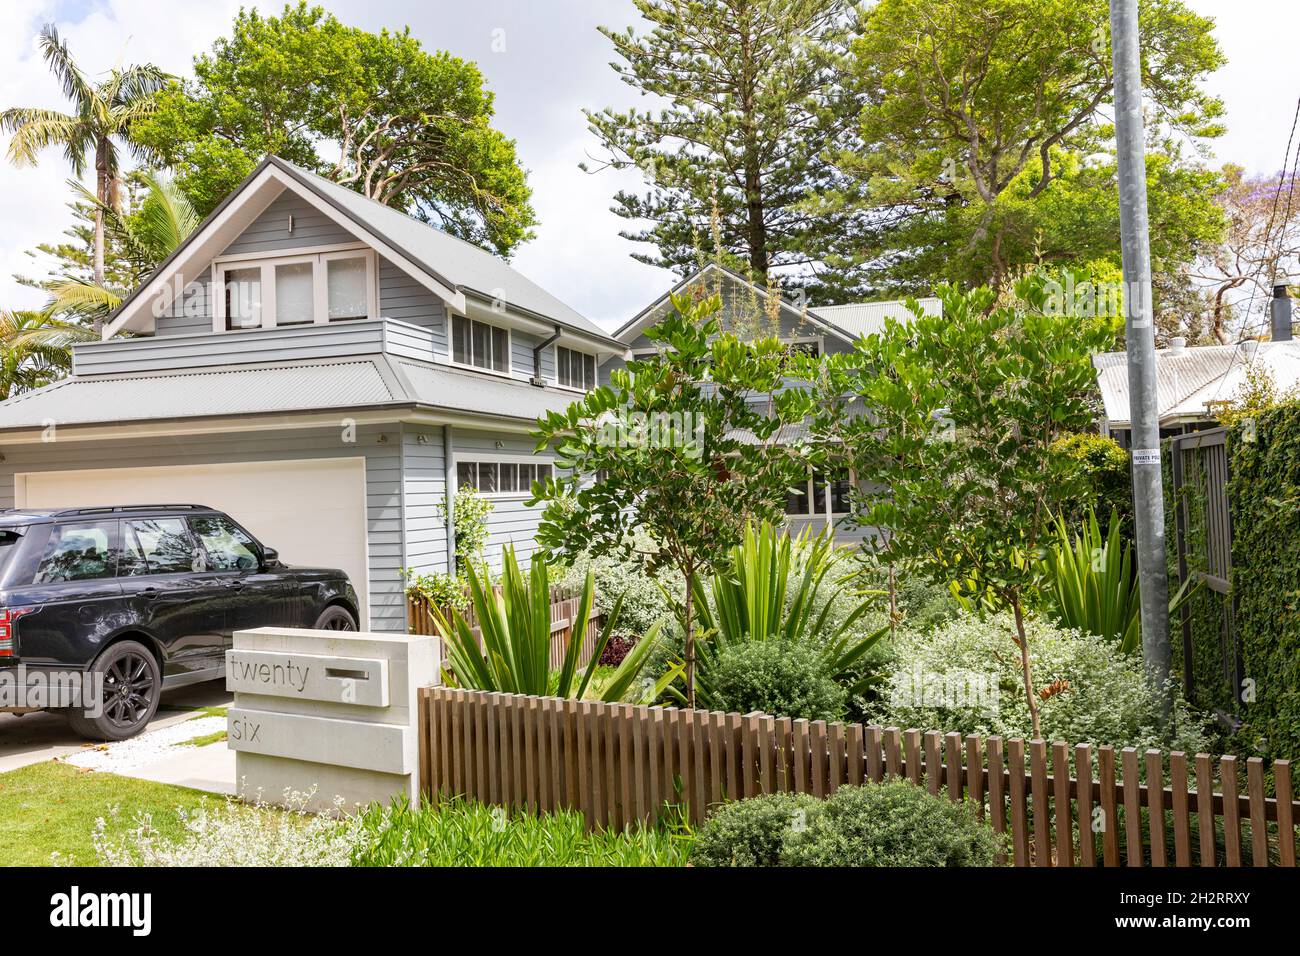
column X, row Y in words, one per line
column 751, row 310
column 1192, row 382
column 324, row 368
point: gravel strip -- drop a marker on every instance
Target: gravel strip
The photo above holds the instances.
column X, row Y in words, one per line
column 148, row 748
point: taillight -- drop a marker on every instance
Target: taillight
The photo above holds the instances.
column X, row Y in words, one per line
column 8, row 620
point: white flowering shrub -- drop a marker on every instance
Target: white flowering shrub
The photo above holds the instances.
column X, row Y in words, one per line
column 1089, row 691
column 643, row 600
column 233, row 834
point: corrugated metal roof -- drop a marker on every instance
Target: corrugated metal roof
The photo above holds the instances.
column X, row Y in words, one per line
column 104, row 399
column 456, row 261
column 441, row 387
column 867, row 318
column 349, row 383
column 1189, row 378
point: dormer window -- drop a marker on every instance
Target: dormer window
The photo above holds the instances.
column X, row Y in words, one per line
column 480, row 345
column 285, row 290
column 575, row 369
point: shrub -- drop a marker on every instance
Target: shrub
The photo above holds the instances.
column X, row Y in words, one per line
column 751, row 832
column 616, row 650
column 879, row 824
column 644, row 603
column 1264, row 496
column 235, row 834
column 464, row 833
column 441, row 590
column 1106, row 467
column 890, row 824
column 1103, row 696
column 515, row 629
column 785, row 589
column 775, row 677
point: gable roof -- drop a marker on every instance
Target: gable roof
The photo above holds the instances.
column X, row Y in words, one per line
column 635, row 325
column 449, row 266
column 846, row 322
column 1189, row 379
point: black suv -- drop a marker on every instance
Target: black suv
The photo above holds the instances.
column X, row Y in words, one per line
column 131, row 600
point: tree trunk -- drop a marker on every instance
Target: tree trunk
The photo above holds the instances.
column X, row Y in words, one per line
column 1024, row 666
column 101, row 193
column 689, row 654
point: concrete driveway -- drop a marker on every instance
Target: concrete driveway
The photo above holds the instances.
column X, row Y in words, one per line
column 33, row 738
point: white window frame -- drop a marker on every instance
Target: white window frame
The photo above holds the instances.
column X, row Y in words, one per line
column 319, row 256
column 826, row 512
column 595, row 368
column 800, row 339
column 477, row 459
column 451, row 347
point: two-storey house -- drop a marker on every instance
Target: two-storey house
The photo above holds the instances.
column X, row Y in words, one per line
column 325, row 369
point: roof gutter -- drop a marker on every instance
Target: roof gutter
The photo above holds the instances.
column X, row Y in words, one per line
column 537, row 358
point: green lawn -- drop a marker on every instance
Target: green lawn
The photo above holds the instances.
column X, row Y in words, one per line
column 52, row 806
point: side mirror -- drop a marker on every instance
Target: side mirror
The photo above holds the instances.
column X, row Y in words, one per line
column 270, row 557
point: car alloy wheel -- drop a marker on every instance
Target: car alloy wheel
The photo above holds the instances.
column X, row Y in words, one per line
column 128, row 690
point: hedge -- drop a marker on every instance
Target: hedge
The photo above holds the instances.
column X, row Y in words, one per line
column 1264, row 498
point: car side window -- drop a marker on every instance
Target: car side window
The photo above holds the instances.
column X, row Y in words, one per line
column 158, row 546
column 228, row 546
column 80, row 551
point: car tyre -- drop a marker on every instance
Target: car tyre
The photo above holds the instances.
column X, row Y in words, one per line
column 335, row 618
column 132, row 684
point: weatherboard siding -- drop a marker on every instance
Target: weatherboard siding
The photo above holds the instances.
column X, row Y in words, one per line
column 269, row 232
column 424, row 484
column 511, row 521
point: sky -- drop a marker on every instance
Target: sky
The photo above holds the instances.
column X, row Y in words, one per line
column 545, row 61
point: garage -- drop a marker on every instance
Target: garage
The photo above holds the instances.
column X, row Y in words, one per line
column 312, row 511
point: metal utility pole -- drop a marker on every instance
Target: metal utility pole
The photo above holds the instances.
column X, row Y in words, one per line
column 1148, row 495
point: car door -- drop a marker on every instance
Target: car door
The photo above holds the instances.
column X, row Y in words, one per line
column 78, row 601
column 163, row 575
column 255, row 595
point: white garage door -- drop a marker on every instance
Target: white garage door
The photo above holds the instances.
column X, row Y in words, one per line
column 313, row 511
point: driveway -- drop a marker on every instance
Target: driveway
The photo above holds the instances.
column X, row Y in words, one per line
column 33, row 738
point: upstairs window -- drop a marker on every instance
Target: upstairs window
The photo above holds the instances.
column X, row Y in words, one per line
column 479, row 345
column 501, row 477
column 276, row 291
column 575, row 369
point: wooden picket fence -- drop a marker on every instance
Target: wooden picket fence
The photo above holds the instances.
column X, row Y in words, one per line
column 564, row 608
column 621, row 764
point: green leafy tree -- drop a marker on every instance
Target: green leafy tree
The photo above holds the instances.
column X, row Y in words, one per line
column 754, row 100
column 105, row 115
column 966, row 411
column 374, row 111
column 687, row 447
column 964, row 99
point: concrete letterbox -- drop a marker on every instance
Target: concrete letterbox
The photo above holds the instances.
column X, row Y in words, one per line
column 329, row 711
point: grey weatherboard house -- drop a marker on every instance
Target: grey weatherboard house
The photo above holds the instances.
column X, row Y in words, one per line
column 325, row 369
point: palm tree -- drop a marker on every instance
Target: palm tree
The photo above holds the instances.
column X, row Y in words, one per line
column 148, row 236
column 102, row 114
column 35, row 350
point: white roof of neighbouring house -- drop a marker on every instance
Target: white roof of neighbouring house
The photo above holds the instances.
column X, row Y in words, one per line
column 1189, row 380
column 867, row 318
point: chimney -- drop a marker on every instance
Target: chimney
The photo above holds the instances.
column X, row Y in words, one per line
column 1281, row 307
column 1177, row 344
